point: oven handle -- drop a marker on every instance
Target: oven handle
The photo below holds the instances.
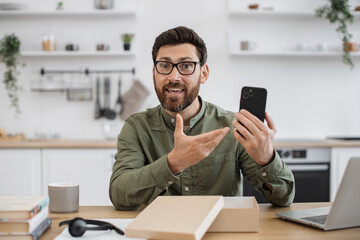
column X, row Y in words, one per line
column 309, row 168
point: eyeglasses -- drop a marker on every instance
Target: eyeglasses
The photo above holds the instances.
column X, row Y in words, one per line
column 184, row 68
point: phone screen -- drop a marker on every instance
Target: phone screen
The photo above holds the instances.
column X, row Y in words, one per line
column 253, row 99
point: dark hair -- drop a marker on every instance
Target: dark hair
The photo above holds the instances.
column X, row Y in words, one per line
column 177, row 36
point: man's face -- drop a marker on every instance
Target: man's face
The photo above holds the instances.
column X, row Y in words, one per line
column 175, row 91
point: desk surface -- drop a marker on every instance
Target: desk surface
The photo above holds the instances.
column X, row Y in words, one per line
column 271, row 227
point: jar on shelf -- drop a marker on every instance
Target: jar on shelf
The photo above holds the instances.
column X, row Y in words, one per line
column 104, row 4
column 48, row 42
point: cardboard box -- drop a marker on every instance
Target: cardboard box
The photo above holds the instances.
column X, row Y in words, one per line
column 240, row 214
column 176, row 218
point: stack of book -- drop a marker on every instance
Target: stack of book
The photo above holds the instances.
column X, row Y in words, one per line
column 23, row 218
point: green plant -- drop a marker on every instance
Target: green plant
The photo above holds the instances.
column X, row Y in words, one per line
column 127, row 37
column 9, row 53
column 338, row 12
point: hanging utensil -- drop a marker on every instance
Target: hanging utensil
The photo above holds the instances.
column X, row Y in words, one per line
column 119, row 105
column 107, row 112
column 97, row 101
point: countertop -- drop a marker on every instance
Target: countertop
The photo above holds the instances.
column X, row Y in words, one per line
column 58, row 143
column 271, row 227
column 62, row 143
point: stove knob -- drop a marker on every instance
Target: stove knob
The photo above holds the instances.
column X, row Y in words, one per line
column 287, row 154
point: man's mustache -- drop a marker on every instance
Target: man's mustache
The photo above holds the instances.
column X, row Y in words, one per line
column 174, row 85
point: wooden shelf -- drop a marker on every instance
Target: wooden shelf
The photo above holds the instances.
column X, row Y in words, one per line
column 92, row 13
column 291, row 53
column 76, row 53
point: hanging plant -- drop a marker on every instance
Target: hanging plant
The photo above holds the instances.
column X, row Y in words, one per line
column 9, row 53
column 338, row 12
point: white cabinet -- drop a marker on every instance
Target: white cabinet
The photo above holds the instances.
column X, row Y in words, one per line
column 339, row 160
column 20, row 172
column 90, row 168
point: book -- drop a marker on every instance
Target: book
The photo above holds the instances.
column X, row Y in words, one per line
column 176, row 218
column 21, row 207
column 34, row 235
column 23, row 226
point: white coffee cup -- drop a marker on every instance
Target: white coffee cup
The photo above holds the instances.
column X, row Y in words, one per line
column 321, row 47
column 248, row 45
column 64, row 197
column 302, row 47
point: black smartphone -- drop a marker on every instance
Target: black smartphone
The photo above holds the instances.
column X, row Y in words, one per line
column 253, row 99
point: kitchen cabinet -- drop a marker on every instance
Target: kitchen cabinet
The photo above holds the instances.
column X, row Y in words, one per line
column 90, row 168
column 20, row 172
column 29, row 171
column 339, row 159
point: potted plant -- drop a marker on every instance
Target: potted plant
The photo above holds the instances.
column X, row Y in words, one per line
column 9, row 53
column 338, row 12
column 127, row 39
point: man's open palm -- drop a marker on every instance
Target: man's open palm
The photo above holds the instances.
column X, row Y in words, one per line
column 189, row 150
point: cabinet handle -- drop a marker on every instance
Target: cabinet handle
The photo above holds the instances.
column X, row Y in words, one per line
column 309, row 168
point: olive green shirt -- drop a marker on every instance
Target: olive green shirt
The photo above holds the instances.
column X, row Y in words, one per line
column 141, row 172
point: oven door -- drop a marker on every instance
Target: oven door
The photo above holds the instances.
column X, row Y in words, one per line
column 312, row 183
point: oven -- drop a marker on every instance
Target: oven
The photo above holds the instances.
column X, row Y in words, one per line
column 311, row 169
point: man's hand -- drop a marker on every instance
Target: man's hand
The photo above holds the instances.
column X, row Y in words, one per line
column 189, row 150
column 256, row 137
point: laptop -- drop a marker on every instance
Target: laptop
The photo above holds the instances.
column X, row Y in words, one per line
column 345, row 210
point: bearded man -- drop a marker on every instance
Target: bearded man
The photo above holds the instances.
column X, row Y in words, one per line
column 183, row 146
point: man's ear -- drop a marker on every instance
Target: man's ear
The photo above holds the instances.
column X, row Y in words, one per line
column 204, row 73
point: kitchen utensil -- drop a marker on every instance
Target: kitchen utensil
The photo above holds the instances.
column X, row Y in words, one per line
column 97, row 101
column 107, row 112
column 119, row 105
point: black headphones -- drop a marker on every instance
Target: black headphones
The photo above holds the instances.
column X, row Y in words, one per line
column 77, row 226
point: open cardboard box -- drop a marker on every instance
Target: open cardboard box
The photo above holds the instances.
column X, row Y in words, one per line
column 189, row 217
column 240, row 214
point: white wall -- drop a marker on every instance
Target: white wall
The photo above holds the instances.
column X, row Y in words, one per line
column 308, row 97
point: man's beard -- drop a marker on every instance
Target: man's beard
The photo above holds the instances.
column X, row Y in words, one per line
column 177, row 104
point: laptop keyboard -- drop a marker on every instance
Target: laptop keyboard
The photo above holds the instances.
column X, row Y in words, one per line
column 316, row 219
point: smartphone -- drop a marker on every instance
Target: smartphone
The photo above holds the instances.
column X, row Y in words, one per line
column 253, row 99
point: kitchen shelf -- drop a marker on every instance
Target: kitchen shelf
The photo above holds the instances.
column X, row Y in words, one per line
column 76, row 53
column 92, row 13
column 291, row 53
column 280, row 13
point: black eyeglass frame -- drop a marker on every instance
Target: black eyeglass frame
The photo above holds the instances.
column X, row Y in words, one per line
column 176, row 65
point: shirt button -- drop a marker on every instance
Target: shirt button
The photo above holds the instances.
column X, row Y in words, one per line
column 186, row 189
column 264, row 174
column 170, row 182
column 172, row 120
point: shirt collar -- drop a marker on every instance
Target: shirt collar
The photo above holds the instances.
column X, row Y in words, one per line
column 171, row 121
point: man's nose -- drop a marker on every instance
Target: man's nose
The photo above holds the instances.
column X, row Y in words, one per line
column 175, row 75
